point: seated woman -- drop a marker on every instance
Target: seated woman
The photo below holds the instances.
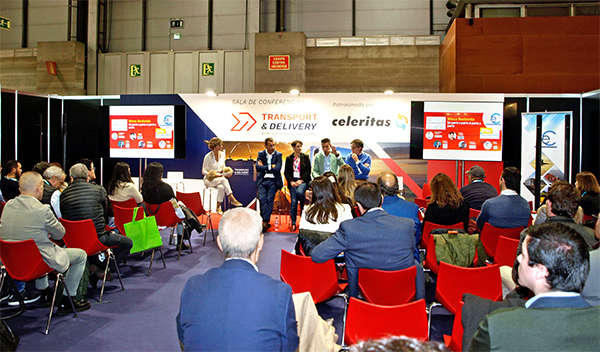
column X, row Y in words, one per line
column 156, row 191
column 587, row 184
column 347, row 185
column 121, row 186
column 216, row 174
column 446, row 206
column 323, row 216
column 297, row 173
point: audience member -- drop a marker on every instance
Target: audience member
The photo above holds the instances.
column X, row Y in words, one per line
column 394, row 205
column 359, row 162
column 554, row 264
column 347, row 183
column 398, row 344
column 10, row 180
column 336, row 187
column 328, row 159
column 591, row 289
column 477, row 191
column 54, row 177
column 234, row 307
column 121, row 187
column 83, row 200
column 268, row 181
column 323, row 216
column 297, row 173
column 375, row 240
column 91, row 168
column 216, row 174
column 542, row 215
column 446, row 206
column 24, row 218
column 508, row 210
column 40, row 167
column 587, row 184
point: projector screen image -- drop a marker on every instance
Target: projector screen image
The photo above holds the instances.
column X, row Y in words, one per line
column 462, row 131
column 142, row 131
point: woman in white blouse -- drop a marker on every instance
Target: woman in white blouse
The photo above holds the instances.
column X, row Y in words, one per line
column 216, row 174
column 121, row 186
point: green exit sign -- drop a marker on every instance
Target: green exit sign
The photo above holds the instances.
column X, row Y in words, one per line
column 135, row 70
column 208, row 69
column 5, row 23
column 176, row 23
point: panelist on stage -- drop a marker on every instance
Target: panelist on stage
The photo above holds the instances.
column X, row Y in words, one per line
column 214, row 175
column 297, row 174
column 359, row 162
column 328, row 159
column 268, row 181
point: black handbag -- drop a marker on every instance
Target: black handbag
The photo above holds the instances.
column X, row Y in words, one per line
column 8, row 338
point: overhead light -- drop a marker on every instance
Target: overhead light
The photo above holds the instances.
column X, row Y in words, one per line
column 211, row 93
column 389, row 92
column 294, row 91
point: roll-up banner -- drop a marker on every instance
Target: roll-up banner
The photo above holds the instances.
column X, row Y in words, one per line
column 553, row 144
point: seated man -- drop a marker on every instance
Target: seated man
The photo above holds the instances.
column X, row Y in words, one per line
column 9, row 184
column 375, row 240
column 359, row 162
column 508, row 210
column 477, row 191
column 54, row 176
column 268, row 180
column 234, row 307
column 84, row 200
column 26, row 218
column 394, row 205
column 554, row 264
column 328, row 159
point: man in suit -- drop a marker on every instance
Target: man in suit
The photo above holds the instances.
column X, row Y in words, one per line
column 328, row 159
column 24, row 218
column 553, row 264
column 234, row 307
column 375, row 240
column 268, row 181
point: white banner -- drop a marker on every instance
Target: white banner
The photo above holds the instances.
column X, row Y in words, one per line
column 553, row 151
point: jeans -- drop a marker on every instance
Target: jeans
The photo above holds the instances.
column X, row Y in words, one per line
column 266, row 195
column 297, row 195
column 419, row 282
column 123, row 244
column 77, row 259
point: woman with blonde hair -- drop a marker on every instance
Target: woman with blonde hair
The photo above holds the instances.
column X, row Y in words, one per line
column 216, row 174
column 446, row 206
column 347, row 182
column 587, row 184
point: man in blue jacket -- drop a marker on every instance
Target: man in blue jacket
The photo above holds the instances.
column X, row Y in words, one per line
column 268, row 181
column 359, row 162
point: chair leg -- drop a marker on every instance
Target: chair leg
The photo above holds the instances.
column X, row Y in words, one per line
column 162, row 257
column 151, row 261
column 180, row 243
column 345, row 297
column 3, row 275
column 59, row 278
column 118, row 271
column 433, row 305
column 105, row 273
column 209, row 226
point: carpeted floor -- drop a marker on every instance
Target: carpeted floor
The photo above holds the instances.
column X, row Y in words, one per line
column 142, row 318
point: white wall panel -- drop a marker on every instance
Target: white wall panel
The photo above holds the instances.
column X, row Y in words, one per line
column 234, row 75
column 159, row 69
column 111, row 76
column 135, row 85
column 212, row 82
column 183, row 73
column 11, row 9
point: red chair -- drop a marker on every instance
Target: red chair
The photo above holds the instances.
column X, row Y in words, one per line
column 194, row 202
column 371, row 321
column 422, row 203
column 82, row 234
column 23, row 261
column 474, row 213
column 2, row 204
column 429, row 226
column 454, row 342
column 388, row 288
column 165, row 216
column 489, row 236
column 129, row 203
column 426, row 190
column 304, row 275
column 124, row 216
column 506, row 251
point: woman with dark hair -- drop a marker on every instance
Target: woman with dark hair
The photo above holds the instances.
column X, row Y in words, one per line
column 154, row 189
column 323, row 216
column 587, row 184
column 121, row 186
column 446, row 206
column 216, row 174
column 297, row 173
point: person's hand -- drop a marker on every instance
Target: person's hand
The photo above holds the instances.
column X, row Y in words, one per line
column 259, row 163
column 354, row 157
column 334, row 150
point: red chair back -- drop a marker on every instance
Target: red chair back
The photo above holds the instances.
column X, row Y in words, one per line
column 129, row 203
column 371, row 321
column 2, row 204
column 82, row 234
column 193, row 201
column 453, row 281
column 422, row 203
column 388, row 288
column 23, row 260
column 454, row 342
column 164, row 214
column 489, row 236
column 429, row 226
column 124, row 215
column 304, row 275
column 426, row 191
column 506, row 251
column 474, row 213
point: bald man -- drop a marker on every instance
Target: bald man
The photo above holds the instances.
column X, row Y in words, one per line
column 24, row 218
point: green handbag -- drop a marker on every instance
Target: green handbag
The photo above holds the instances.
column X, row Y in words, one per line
column 144, row 233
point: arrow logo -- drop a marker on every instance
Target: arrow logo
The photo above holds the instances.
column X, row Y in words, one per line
column 243, row 121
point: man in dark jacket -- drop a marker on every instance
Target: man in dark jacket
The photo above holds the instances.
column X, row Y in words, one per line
column 83, row 200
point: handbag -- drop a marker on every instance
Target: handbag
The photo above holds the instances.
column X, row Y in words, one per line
column 144, row 233
column 8, row 338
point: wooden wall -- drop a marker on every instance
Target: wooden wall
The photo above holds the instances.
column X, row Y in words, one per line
column 521, row 55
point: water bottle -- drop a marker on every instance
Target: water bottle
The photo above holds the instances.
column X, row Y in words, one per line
column 277, row 223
